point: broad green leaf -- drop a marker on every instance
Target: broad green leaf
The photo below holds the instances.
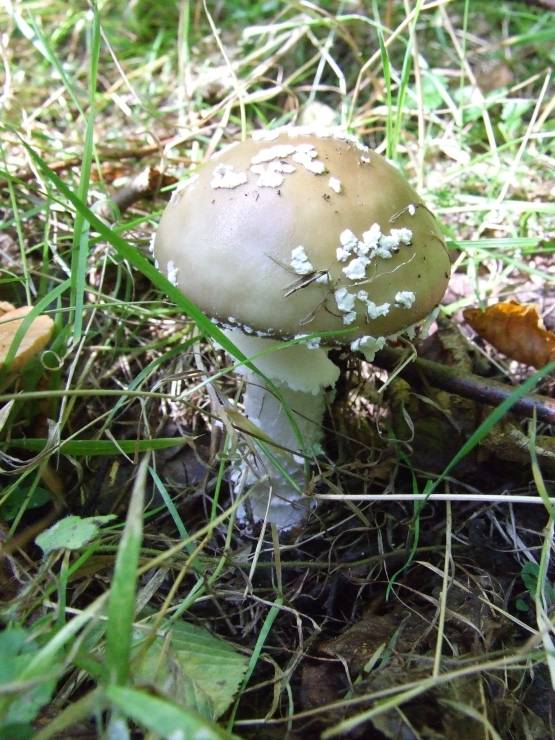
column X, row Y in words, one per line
column 16, row 652
column 470, row 101
column 23, row 495
column 433, row 91
column 164, row 717
column 19, row 731
column 71, row 533
column 195, row 668
column 530, row 574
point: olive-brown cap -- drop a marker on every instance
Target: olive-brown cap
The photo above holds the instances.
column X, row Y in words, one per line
column 294, row 233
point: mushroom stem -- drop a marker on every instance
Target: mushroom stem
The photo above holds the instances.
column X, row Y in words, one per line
column 275, row 474
column 277, row 480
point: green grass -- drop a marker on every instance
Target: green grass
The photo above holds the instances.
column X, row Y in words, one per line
column 126, row 628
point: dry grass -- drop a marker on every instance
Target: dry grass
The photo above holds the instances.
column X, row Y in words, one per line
column 382, row 618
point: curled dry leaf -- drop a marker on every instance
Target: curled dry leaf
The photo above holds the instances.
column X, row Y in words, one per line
column 516, row 330
column 144, row 185
column 5, row 307
column 35, row 339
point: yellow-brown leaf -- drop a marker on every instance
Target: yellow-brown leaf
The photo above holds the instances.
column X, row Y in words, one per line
column 516, row 330
column 36, row 338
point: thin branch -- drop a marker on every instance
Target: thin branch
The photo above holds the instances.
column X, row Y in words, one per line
column 481, row 498
column 144, row 185
column 108, row 155
column 467, row 385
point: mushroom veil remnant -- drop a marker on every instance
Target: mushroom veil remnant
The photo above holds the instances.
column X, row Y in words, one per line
column 297, row 235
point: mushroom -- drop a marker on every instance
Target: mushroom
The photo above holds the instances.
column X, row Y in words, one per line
column 305, row 236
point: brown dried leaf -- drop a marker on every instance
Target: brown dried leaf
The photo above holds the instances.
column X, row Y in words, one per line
column 363, row 640
column 239, row 421
column 507, row 441
column 37, row 336
column 494, row 75
column 146, row 184
column 516, row 330
column 5, row 307
column 449, row 346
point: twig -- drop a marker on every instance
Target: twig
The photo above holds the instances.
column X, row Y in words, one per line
column 483, row 498
column 468, row 385
column 109, row 155
column 22, row 539
column 144, row 185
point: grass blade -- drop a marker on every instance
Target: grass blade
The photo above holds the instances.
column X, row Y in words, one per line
column 121, row 604
column 387, row 81
column 95, row 447
column 136, row 259
column 264, row 632
column 485, row 427
column 80, row 246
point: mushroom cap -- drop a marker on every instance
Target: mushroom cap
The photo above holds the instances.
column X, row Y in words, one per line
column 295, row 233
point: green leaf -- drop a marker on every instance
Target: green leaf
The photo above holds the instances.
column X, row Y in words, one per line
column 164, row 717
column 31, row 498
column 194, row 668
column 432, row 88
column 470, row 101
column 22, row 706
column 71, row 533
column 530, row 574
column 18, row 731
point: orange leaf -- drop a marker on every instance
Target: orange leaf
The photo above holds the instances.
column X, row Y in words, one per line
column 516, row 330
column 5, row 307
column 35, row 340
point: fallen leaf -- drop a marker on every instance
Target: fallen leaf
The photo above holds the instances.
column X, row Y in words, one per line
column 146, row 184
column 494, row 75
column 34, row 340
column 449, row 346
column 508, row 442
column 5, row 307
column 363, row 641
column 240, row 422
column 516, row 330
column 198, row 670
column 434, row 423
column 71, row 533
column 380, row 652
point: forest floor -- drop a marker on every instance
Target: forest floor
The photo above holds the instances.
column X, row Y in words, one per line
column 419, row 602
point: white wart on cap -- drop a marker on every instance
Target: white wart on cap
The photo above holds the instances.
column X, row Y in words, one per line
column 292, row 233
